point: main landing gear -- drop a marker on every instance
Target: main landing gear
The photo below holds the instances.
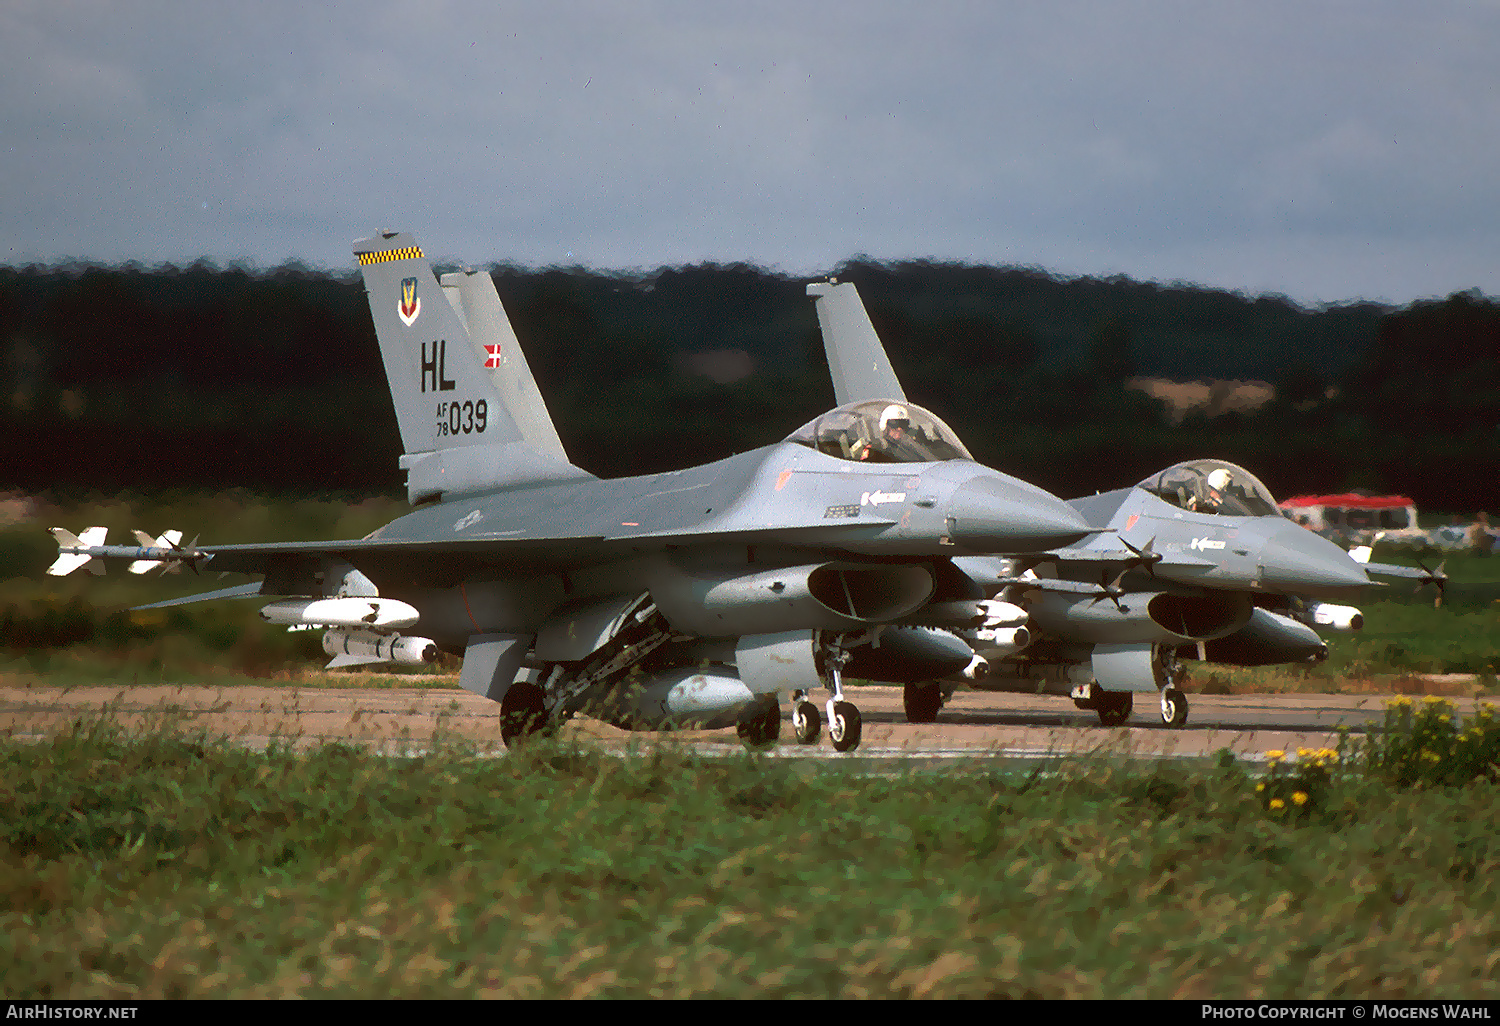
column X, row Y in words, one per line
column 922, row 702
column 523, row 712
column 761, row 730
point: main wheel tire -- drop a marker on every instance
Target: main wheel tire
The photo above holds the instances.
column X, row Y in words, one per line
column 1114, row 707
column 762, row 729
column 523, row 712
column 922, row 702
column 806, row 723
column 1174, row 707
column 845, row 727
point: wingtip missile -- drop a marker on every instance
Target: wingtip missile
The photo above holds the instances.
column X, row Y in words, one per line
column 89, row 550
column 69, row 559
column 168, row 540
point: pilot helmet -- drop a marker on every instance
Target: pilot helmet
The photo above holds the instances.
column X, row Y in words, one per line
column 1218, row 480
column 894, row 416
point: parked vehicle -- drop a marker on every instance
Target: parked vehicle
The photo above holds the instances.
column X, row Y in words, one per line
column 1354, row 518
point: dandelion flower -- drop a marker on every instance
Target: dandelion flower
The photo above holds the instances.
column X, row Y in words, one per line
column 1300, row 797
column 1276, row 753
column 1261, row 786
column 1277, row 803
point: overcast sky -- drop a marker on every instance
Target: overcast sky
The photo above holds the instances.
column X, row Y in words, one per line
column 1325, row 150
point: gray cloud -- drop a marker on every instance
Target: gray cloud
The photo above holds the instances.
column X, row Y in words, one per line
column 1325, row 151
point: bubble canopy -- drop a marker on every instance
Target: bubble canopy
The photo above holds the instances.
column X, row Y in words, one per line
column 1212, row 486
column 881, row 431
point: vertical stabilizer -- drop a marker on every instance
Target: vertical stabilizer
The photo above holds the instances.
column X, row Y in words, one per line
column 462, row 431
column 495, row 343
column 856, row 359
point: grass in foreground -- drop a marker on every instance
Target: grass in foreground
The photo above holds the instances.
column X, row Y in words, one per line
column 161, row 867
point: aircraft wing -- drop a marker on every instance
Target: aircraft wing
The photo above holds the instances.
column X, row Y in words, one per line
column 288, row 567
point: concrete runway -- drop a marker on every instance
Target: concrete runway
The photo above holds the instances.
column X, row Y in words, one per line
column 974, row 725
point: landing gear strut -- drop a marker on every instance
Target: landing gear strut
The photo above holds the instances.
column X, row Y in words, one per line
column 844, row 726
column 1174, row 704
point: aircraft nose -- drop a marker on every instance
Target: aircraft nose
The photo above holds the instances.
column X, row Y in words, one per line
column 1296, row 561
column 998, row 514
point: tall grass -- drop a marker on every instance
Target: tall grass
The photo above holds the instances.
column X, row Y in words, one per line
column 158, row 866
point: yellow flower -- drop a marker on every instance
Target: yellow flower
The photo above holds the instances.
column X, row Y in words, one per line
column 1300, row 797
column 1277, row 803
column 1276, row 753
column 1261, row 786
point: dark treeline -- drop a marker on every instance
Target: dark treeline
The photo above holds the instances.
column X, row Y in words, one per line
column 129, row 377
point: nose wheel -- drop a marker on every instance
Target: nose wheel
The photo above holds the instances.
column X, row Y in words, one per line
column 806, row 723
column 1174, row 707
column 844, row 726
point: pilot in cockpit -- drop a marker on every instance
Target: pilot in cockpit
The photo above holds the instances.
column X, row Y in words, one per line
column 895, row 422
column 1213, row 500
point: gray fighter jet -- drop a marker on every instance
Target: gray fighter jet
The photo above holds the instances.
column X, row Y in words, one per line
column 1193, row 561
column 686, row 598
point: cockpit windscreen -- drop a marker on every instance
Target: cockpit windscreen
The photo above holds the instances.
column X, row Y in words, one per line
column 1212, row 486
column 881, row 431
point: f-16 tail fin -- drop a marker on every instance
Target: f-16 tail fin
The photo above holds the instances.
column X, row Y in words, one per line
column 473, row 297
column 857, row 360
column 471, row 421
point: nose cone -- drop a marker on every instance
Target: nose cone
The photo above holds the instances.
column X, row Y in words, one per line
column 1295, row 561
column 995, row 513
